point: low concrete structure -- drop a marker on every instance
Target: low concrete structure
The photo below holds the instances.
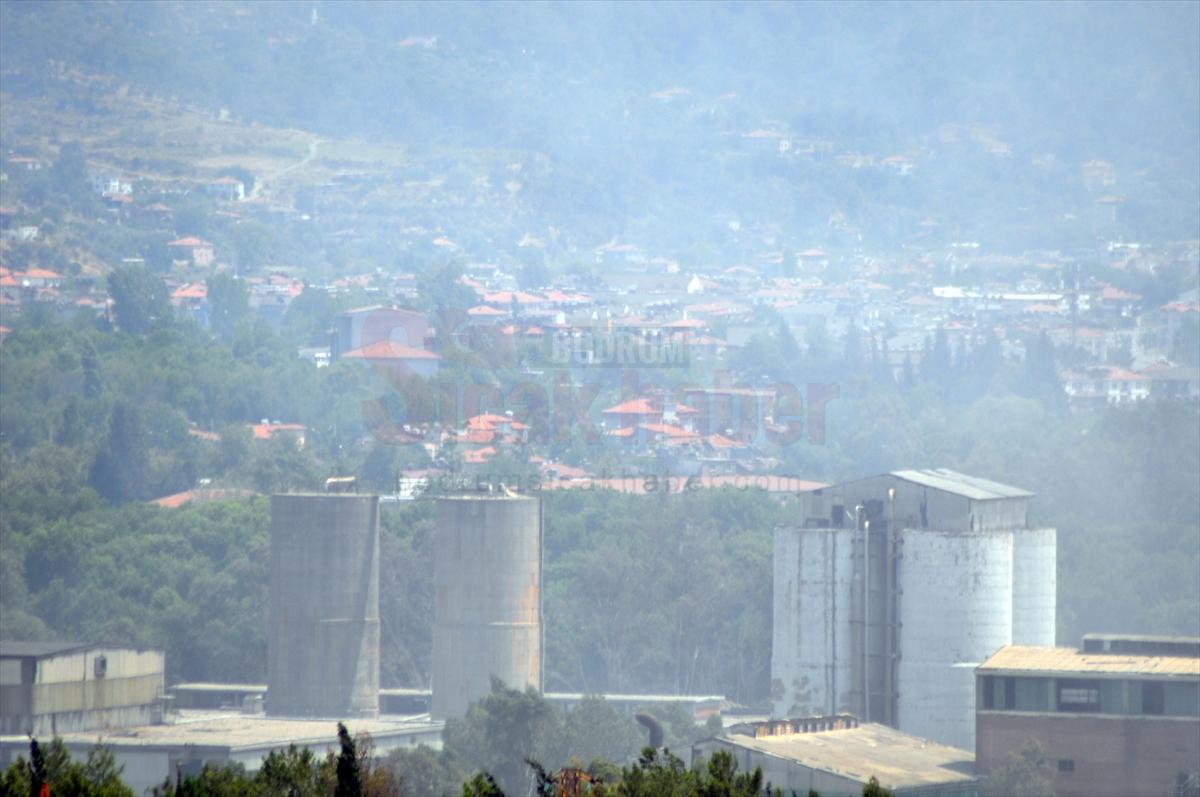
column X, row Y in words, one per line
column 408, row 701
column 152, row 754
column 49, row 688
column 837, row 756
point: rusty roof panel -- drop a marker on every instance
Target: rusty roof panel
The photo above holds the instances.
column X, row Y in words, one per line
column 1069, row 660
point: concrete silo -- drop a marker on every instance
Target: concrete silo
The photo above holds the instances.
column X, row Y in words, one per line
column 1035, row 586
column 323, row 642
column 488, row 588
column 811, row 663
column 955, row 612
column 933, row 572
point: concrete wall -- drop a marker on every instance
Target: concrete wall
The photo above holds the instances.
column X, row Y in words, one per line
column 790, row 776
column 811, row 649
column 488, row 582
column 323, row 638
column 64, row 693
column 955, row 611
column 1035, row 586
column 1112, row 756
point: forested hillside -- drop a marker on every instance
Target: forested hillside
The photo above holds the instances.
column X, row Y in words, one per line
column 630, row 113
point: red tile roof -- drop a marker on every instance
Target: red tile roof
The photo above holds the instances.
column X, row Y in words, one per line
column 265, row 431
column 189, row 242
column 390, row 350
column 640, row 406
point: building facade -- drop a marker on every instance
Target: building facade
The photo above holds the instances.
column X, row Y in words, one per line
column 51, row 688
column 1120, row 716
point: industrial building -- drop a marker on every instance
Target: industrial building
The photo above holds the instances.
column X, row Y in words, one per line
column 892, row 589
column 1119, row 717
column 323, row 637
column 836, row 756
column 152, row 754
column 488, row 598
column 49, row 688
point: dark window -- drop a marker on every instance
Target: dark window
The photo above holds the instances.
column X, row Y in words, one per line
column 1066, row 765
column 1153, row 700
column 1078, row 696
column 989, row 695
column 1010, row 693
column 838, row 516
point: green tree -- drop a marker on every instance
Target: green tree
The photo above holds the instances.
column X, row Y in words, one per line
column 873, row 789
column 120, row 470
column 229, row 303
column 349, row 775
column 68, row 175
column 53, row 767
column 140, row 299
column 1025, row 774
column 252, row 243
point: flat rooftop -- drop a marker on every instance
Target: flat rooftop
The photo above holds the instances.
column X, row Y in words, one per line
column 207, row 729
column 1029, row 660
column 899, row 760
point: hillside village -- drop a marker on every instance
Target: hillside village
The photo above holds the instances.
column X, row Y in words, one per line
column 1117, row 321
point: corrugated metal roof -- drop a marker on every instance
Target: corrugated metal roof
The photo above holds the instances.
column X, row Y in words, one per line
column 36, row 650
column 899, row 760
column 971, row 487
column 1069, row 660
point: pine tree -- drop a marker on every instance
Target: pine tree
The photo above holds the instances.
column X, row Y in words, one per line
column 349, row 778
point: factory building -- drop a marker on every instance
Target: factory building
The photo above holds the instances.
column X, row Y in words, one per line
column 49, row 688
column 488, row 598
column 1119, row 717
column 892, row 589
column 151, row 754
column 323, row 637
column 836, row 756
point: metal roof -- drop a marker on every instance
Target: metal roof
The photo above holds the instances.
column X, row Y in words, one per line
column 899, row 760
column 14, row 649
column 971, row 487
column 1028, row 659
column 207, row 729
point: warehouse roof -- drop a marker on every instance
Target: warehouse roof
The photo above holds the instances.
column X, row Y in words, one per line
column 241, row 732
column 1029, row 659
column 13, row 649
column 971, row 487
column 899, row 760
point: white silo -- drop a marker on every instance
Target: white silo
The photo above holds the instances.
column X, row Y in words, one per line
column 1035, row 586
column 812, row 645
column 955, row 611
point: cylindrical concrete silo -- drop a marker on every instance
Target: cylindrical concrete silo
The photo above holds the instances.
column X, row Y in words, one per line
column 323, row 642
column 812, row 668
column 1035, row 586
column 488, row 585
column 955, row 611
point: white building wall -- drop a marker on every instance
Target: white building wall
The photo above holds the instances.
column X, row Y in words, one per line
column 811, row 642
column 955, row 611
column 1035, row 586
